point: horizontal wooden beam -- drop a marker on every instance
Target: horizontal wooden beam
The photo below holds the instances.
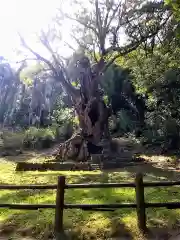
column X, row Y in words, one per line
column 120, row 185
column 96, row 206
column 161, row 184
column 103, row 207
column 87, row 185
column 26, row 206
column 19, row 187
column 99, row 185
column 169, row 205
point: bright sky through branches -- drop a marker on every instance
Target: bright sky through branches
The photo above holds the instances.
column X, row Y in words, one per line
column 30, row 16
column 25, row 16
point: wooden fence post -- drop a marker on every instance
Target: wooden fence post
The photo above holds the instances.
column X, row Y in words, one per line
column 141, row 210
column 59, row 207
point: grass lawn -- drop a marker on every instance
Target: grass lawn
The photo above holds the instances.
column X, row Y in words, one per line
column 84, row 224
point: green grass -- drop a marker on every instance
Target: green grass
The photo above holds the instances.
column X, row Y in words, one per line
column 83, row 224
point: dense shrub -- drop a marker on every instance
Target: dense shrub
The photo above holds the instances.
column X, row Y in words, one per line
column 12, row 139
column 122, row 123
column 33, row 137
column 11, row 142
column 66, row 123
column 39, row 137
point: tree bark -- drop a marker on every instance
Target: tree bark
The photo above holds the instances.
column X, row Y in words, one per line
column 93, row 118
column 87, row 101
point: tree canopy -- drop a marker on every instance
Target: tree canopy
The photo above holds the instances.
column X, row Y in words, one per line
column 125, row 62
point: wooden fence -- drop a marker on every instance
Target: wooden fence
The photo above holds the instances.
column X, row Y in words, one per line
column 60, row 204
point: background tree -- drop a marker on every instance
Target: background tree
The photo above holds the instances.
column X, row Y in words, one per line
column 102, row 22
column 27, row 94
column 156, row 75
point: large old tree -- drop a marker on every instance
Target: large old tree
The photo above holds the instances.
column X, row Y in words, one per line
column 103, row 31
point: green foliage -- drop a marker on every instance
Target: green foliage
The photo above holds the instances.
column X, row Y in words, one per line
column 151, row 70
column 27, row 74
column 157, row 75
column 125, row 121
column 115, row 80
column 34, row 132
column 63, row 115
column 11, row 140
column 66, row 121
column 39, row 137
column 175, row 6
column 121, row 95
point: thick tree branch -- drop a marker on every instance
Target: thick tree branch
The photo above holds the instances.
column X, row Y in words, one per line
column 59, row 64
column 37, row 55
column 44, row 40
column 113, row 15
column 86, row 25
column 94, row 53
column 23, row 65
column 99, row 24
column 123, row 52
column 106, row 18
column 132, row 46
column 100, row 33
column 59, row 75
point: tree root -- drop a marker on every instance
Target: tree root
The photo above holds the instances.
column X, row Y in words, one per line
column 74, row 148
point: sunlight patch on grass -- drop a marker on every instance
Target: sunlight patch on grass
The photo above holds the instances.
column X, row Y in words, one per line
column 130, row 220
column 157, row 158
column 97, row 220
column 82, row 224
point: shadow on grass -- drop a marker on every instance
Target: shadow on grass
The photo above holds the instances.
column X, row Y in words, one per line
column 92, row 224
column 79, row 224
column 153, row 171
column 26, row 156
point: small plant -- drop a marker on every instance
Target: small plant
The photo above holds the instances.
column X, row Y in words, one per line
column 39, row 138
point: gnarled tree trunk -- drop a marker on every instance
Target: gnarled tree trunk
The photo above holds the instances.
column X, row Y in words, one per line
column 93, row 117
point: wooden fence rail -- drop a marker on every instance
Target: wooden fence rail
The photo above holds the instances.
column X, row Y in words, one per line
column 89, row 185
column 60, row 205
